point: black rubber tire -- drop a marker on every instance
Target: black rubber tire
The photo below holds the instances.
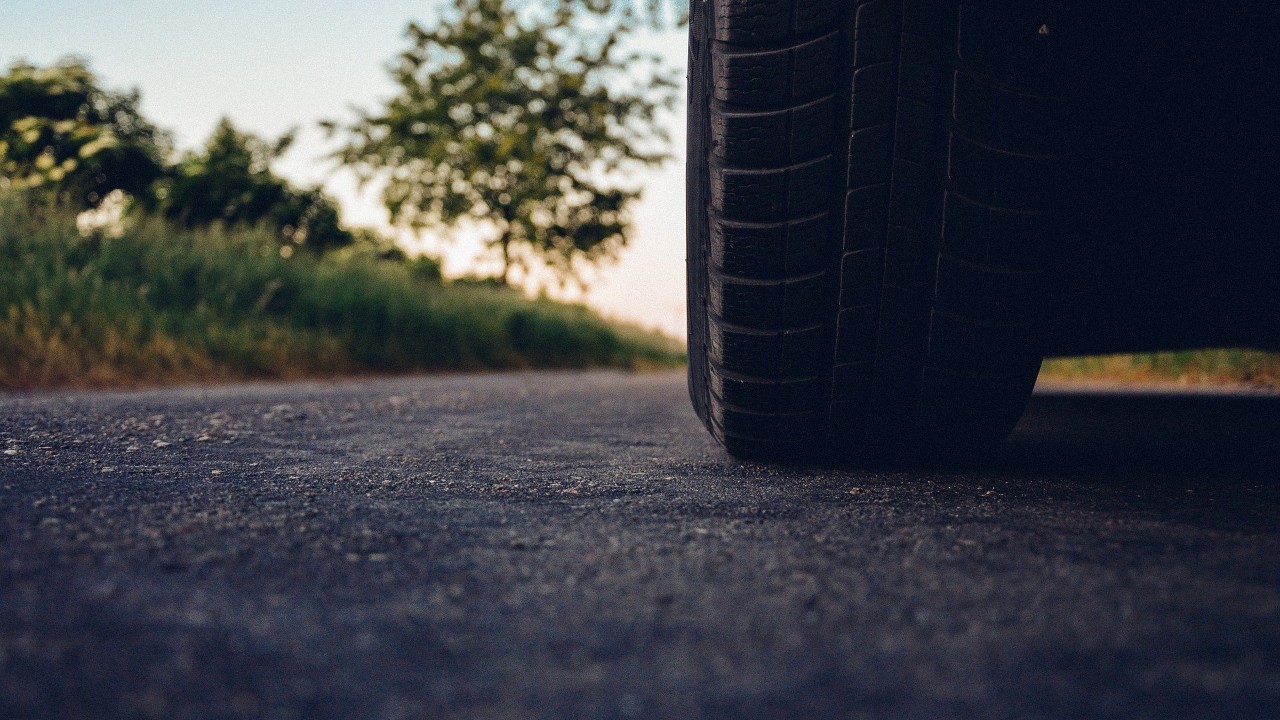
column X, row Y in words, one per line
column 869, row 199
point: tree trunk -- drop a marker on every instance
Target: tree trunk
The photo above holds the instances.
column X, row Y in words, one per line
column 506, row 262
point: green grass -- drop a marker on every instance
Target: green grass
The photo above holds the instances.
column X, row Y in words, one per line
column 159, row 305
column 1251, row 367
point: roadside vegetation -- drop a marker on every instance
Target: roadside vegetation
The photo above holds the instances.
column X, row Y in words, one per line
column 159, row 304
column 1190, row 367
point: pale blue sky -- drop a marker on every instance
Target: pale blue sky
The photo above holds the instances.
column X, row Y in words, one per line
column 275, row 64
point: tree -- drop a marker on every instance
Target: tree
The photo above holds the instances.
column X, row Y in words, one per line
column 650, row 13
column 231, row 182
column 512, row 121
column 65, row 139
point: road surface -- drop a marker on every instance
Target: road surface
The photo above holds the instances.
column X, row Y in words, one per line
column 572, row 545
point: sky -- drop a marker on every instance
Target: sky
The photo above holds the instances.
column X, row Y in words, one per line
column 273, row 65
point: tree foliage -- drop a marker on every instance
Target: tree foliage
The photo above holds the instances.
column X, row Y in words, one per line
column 65, row 139
column 231, row 182
column 511, row 119
column 650, row 13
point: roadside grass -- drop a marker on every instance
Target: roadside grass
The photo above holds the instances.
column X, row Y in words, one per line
column 1191, row 367
column 159, row 305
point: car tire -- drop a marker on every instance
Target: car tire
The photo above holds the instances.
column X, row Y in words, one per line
column 870, row 195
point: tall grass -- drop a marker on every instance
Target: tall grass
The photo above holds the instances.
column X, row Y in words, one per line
column 157, row 305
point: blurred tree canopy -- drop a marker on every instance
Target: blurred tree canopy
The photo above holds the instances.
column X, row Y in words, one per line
column 651, row 13
column 231, row 182
column 65, row 139
column 513, row 119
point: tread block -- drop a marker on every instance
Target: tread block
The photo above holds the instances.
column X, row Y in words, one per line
column 903, row 256
column 807, row 244
column 815, row 15
column 866, row 210
column 813, row 129
column 781, row 137
column 908, row 193
column 922, row 18
column 851, row 384
column 765, row 426
column 814, row 66
column 869, row 155
column 751, row 79
column 749, row 194
column 860, row 274
column 855, row 334
column 809, row 187
column 771, row 195
column 768, row 304
column 993, row 237
column 872, row 102
column 1004, row 180
column 913, row 132
column 791, row 353
column 748, row 250
column 896, row 335
column 1009, row 121
column 805, row 351
column 748, row 305
column 747, row 353
column 874, row 40
column 987, row 293
column 769, row 252
column 752, row 22
column 751, row 138
column 758, row 22
column 775, row 77
column 962, row 345
column 918, row 67
column 786, row 396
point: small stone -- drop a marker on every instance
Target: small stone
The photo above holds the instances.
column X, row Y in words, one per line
column 283, row 412
column 11, row 451
column 161, row 443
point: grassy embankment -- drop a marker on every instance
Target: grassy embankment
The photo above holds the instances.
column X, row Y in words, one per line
column 1250, row 367
column 159, row 305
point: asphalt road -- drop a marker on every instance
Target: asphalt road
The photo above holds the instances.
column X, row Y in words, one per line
column 573, row 545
